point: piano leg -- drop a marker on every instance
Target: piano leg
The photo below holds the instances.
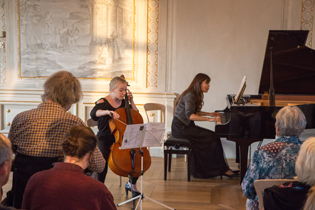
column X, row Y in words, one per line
column 244, row 143
column 244, row 160
column 237, row 153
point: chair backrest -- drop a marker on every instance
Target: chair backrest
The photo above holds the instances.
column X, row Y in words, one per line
column 91, row 123
column 262, row 184
column 153, row 107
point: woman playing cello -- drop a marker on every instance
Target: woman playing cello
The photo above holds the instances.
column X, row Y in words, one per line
column 102, row 112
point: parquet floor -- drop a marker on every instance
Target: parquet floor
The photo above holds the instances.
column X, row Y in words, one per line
column 176, row 192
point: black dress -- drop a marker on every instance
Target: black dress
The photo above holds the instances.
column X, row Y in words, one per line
column 207, row 153
column 106, row 139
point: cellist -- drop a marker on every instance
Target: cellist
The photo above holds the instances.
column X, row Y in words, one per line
column 102, row 112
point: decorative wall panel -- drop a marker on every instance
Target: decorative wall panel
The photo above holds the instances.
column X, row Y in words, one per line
column 2, row 44
column 307, row 19
column 152, row 67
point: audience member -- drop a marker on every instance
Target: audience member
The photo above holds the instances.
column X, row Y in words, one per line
column 276, row 160
column 38, row 133
column 65, row 186
column 292, row 195
column 5, row 165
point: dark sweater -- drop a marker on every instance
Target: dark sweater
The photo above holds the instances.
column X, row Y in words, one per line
column 103, row 121
column 65, row 186
column 186, row 107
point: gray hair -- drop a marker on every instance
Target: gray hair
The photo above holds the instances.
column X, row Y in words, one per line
column 305, row 163
column 114, row 82
column 62, row 88
column 5, row 149
column 291, row 121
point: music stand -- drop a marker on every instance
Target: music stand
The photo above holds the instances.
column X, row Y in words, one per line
column 137, row 136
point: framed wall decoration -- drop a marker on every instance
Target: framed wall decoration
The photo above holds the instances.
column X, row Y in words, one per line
column 96, row 40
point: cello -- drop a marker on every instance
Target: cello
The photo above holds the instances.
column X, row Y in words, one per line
column 126, row 162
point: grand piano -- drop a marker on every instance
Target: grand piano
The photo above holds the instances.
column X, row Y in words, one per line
column 289, row 70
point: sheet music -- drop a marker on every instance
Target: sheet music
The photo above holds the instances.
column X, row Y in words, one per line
column 241, row 90
column 133, row 136
column 154, row 134
column 143, row 135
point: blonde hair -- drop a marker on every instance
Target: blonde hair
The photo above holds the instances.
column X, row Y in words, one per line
column 62, row 88
column 115, row 81
column 310, row 201
column 305, row 163
column 291, row 121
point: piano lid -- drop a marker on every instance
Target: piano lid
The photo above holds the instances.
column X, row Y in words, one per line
column 293, row 64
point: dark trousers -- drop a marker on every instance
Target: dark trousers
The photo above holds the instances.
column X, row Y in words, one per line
column 24, row 167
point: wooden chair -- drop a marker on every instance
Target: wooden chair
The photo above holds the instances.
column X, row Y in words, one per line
column 91, row 123
column 148, row 107
column 262, row 184
column 155, row 107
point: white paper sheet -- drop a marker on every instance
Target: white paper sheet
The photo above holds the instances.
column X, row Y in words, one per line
column 143, row 135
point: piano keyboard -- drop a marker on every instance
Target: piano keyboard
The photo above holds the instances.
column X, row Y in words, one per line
column 224, row 117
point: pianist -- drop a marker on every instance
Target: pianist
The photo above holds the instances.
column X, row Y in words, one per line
column 207, row 153
column 276, row 160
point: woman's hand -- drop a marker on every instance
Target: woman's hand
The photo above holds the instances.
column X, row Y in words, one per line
column 130, row 96
column 214, row 119
column 218, row 119
column 214, row 114
column 114, row 114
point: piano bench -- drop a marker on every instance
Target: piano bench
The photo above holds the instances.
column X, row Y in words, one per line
column 176, row 146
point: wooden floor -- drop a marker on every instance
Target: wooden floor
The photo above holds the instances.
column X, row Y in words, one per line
column 177, row 192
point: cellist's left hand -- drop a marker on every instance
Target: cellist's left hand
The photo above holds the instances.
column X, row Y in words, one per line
column 130, row 96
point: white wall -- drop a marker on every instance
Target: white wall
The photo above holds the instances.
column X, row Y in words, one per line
column 225, row 39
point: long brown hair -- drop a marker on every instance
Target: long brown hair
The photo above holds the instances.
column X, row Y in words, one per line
column 195, row 88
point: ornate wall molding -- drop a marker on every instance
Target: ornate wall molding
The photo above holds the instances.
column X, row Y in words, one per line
column 152, row 53
column 2, row 50
column 307, row 19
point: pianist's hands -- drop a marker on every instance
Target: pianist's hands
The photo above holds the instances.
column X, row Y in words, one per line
column 214, row 114
column 215, row 119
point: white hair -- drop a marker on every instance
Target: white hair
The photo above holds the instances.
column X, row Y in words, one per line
column 291, row 121
column 305, row 163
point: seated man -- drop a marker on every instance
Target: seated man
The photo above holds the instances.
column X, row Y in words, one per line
column 38, row 133
column 65, row 186
column 5, row 165
column 276, row 160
